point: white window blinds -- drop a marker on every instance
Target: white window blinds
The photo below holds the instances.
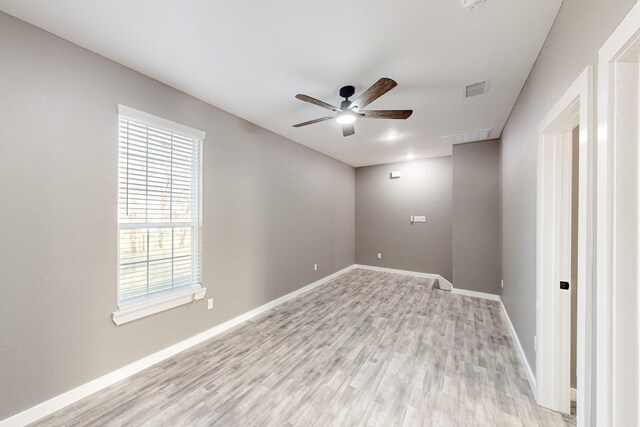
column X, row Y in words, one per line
column 159, row 206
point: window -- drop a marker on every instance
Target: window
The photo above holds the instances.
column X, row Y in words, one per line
column 159, row 214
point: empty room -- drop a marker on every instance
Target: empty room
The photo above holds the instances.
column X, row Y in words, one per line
column 337, row 213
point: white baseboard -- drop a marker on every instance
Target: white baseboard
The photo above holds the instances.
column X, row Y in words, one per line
column 444, row 283
column 523, row 357
column 475, row 294
column 56, row 403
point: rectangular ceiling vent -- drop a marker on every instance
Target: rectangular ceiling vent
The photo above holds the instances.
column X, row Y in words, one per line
column 463, row 138
column 475, row 89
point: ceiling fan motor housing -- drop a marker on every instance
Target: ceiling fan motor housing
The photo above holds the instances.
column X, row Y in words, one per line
column 347, row 91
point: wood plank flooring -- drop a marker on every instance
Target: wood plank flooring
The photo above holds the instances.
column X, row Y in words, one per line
column 367, row 349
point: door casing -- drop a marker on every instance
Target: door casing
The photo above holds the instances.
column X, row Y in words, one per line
column 553, row 250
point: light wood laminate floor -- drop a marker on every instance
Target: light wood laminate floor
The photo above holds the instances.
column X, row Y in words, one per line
column 367, row 349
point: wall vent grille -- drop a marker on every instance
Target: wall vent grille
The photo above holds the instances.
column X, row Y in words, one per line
column 472, row 4
column 475, row 89
column 463, row 138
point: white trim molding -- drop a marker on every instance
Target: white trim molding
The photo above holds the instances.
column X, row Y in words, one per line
column 444, row 283
column 475, row 294
column 523, row 358
column 618, row 227
column 161, row 123
column 553, row 250
column 56, row 403
column 148, row 306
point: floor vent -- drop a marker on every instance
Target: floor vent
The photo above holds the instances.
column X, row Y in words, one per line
column 463, row 138
column 475, row 89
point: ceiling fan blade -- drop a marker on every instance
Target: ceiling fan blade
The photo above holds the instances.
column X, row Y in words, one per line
column 348, row 130
column 307, row 98
column 310, row 122
column 387, row 114
column 378, row 89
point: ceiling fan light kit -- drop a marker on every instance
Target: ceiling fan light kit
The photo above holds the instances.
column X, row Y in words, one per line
column 350, row 111
column 346, row 118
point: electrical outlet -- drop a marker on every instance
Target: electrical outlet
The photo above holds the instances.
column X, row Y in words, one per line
column 502, row 283
column 209, row 303
column 315, row 267
column 379, row 255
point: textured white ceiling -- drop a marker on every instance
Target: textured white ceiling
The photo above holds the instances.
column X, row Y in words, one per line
column 251, row 57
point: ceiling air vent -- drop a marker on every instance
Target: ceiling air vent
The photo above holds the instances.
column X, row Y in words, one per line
column 475, row 89
column 472, row 4
column 463, row 138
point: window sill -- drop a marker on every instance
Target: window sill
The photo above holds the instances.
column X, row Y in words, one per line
column 137, row 310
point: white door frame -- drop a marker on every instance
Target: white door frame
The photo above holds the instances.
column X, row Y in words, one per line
column 553, row 263
column 618, row 229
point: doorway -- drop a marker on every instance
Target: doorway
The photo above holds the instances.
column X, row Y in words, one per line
column 564, row 252
column 618, row 231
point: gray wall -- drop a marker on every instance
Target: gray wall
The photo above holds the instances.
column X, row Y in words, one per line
column 476, row 216
column 582, row 26
column 383, row 208
column 272, row 209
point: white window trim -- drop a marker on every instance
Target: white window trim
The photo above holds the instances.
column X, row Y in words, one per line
column 160, row 302
column 165, row 300
column 161, row 123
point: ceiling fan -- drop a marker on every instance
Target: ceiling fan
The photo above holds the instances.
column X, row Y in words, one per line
column 350, row 111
